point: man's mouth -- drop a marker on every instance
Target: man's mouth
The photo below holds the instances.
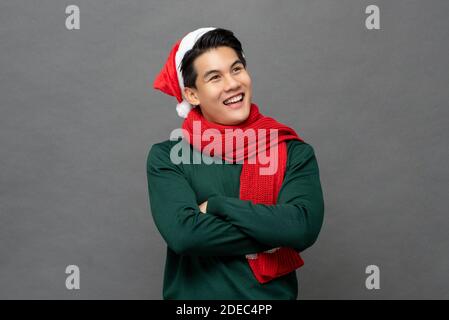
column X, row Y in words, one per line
column 235, row 101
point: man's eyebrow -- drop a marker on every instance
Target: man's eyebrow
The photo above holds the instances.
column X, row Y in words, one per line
column 214, row 71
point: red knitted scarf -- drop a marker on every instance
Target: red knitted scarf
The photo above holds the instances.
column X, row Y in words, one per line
column 260, row 189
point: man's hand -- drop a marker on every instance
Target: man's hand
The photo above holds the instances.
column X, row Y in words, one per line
column 203, row 207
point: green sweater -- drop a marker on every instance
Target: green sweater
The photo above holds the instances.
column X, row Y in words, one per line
column 206, row 252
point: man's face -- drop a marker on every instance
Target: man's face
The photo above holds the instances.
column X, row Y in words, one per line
column 221, row 76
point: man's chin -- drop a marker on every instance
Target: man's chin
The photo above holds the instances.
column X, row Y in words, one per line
column 245, row 112
column 238, row 117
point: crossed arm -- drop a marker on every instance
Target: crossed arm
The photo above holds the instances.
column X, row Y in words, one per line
column 232, row 226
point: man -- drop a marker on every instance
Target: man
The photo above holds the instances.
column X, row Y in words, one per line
column 234, row 228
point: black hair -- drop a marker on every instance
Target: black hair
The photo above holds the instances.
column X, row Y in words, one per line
column 212, row 39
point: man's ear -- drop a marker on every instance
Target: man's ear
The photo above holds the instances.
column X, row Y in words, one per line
column 191, row 96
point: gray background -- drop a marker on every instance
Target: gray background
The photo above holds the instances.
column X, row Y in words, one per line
column 78, row 116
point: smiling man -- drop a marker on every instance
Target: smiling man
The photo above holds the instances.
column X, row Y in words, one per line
column 233, row 230
column 223, row 88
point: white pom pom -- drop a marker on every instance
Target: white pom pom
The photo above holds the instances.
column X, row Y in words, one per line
column 183, row 108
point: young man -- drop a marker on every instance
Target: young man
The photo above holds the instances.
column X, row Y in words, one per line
column 245, row 197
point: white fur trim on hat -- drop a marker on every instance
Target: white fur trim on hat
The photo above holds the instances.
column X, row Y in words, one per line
column 186, row 44
column 183, row 108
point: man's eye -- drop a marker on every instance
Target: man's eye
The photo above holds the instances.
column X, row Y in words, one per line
column 214, row 77
column 237, row 69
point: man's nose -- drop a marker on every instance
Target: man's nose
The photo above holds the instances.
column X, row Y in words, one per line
column 231, row 83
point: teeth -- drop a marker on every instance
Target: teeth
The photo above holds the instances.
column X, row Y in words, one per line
column 233, row 100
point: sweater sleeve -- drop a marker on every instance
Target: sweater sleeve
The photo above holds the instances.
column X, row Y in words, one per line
column 175, row 211
column 295, row 221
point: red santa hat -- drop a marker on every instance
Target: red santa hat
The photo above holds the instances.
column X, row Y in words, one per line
column 170, row 80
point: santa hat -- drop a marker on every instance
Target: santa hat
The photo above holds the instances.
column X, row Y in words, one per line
column 170, row 80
